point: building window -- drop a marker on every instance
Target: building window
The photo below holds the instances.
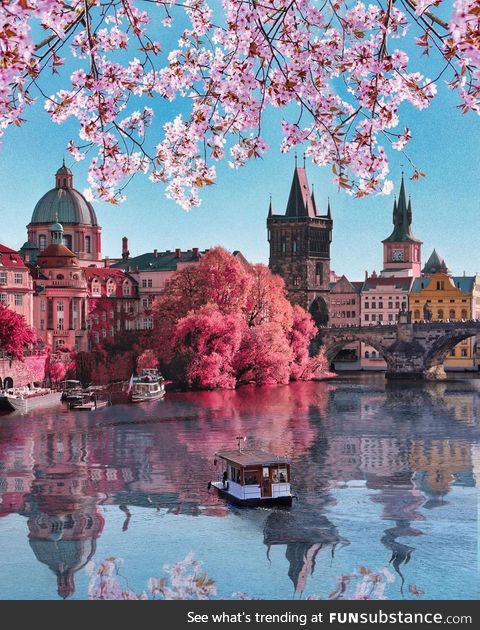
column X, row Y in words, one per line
column 390, row 305
column 380, row 317
column 294, row 246
column 148, row 323
column 127, row 288
column 3, row 277
column 367, row 354
column 43, row 305
column 416, row 314
column 88, row 245
column 284, row 246
column 96, row 337
column 112, row 314
column 319, row 273
column 440, row 313
column 451, row 313
column 60, row 325
column 366, row 305
column 374, row 305
column 18, row 299
column 464, row 352
column 452, row 353
column 110, row 288
column 42, row 324
column 390, row 317
column 42, row 242
column 374, row 317
column 374, row 354
column 464, row 314
column 440, row 285
column 296, row 281
column 147, row 302
column 380, row 305
column 367, row 317
column 3, row 298
column 104, row 316
column 104, row 333
column 18, row 277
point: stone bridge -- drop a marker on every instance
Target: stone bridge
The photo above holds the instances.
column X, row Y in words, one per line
column 410, row 350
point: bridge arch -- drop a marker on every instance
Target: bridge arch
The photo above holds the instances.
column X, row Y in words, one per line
column 336, row 342
column 438, row 351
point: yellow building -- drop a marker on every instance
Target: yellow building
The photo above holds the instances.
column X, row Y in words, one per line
column 438, row 295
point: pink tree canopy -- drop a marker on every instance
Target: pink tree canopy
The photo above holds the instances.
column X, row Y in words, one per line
column 14, row 333
column 339, row 70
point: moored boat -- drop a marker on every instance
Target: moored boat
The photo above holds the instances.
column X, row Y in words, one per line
column 28, row 399
column 149, row 386
column 253, row 478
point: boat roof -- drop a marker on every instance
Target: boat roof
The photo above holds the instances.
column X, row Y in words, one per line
column 252, row 457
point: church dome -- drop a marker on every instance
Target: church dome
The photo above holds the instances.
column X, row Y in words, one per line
column 64, row 204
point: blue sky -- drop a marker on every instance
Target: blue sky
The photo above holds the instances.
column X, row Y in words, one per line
column 446, row 204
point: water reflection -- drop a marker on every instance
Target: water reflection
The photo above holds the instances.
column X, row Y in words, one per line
column 403, row 448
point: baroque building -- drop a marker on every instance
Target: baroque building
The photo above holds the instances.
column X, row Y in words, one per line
column 300, row 248
column 16, row 289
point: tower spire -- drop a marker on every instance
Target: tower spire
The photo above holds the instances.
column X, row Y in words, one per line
column 270, row 211
column 329, row 212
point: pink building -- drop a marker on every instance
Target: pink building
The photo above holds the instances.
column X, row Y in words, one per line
column 65, row 205
column 61, row 295
column 16, row 288
column 113, row 303
column 344, row 310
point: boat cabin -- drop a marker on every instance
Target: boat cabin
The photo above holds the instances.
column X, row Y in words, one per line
column 254, row 477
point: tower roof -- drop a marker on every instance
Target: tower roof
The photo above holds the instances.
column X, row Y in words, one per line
column 300, row 202
column 402, row 219
column 435, row 264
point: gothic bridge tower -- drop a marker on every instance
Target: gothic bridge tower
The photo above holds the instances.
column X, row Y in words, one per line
column 300, row 248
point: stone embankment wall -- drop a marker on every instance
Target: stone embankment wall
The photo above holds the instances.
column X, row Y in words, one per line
column 23, row 372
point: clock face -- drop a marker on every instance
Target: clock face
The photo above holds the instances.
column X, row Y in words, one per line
column 397, row 254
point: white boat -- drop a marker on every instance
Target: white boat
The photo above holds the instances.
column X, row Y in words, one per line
column 253, row 478
column 27, row 399
column 149, row 386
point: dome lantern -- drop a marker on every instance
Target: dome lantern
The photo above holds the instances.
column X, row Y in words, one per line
column 57, row 233
column 64, row 177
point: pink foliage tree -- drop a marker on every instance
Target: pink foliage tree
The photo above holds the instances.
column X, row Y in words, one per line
column 147, row 360
column 338, row 69
column 206, row 342
column 15, row 335
column 227, row 322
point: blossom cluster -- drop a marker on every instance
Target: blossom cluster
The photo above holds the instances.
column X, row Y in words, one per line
column 337, row 69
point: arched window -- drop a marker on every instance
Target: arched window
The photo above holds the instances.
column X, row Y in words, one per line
column 294, row 246
column 451, row 313
column 464, row 313
column 284, row 245
column 374, row 355
column 126, row 288
column 42, row 242
column 416, row 314
column 440, row 313
column 88, row 245
column 110, row 287
column 59, row 276
column 60, row 306
column 367, row 354
column 64, row 182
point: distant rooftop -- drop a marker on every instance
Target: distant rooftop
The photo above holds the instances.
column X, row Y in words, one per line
column 159, row 261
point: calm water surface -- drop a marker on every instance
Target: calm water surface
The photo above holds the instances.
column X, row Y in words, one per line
column 386, row 476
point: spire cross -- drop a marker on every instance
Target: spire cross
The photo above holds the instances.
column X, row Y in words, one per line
column 304, row 158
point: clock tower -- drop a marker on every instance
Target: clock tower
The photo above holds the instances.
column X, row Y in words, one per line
column 401, row 250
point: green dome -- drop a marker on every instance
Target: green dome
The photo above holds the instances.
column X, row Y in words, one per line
column 65, row 205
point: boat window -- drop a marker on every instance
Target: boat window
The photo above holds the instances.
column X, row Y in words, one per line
column 251, row 479
column 266, row 472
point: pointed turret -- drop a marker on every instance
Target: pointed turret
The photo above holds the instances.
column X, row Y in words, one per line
column 329, row 212
column 312, row 198
column 270, row 211
column 435, row 264
column 300, row 202
column 402, row 219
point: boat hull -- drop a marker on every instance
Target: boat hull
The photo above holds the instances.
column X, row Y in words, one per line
column 30, row 403
column 285, row 501
column 140, row 399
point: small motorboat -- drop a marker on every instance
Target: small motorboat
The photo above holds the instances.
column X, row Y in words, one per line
column 72, row 390
column 149, row 386
column 89, row 402
column 253, row 478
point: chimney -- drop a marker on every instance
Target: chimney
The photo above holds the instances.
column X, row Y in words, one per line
column 195, row 252
column 177, row 253
column 107, row 261
column 366, row 274
column 125, row 252
column 155, row 253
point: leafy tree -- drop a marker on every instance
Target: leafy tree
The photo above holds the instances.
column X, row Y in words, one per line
column 14, row 333
column 339, row 71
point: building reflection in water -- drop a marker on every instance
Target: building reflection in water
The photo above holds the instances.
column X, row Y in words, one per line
column 408, row 446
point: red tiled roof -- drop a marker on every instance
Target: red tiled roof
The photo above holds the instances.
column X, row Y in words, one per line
column 10, row 258
column 103, row 272
column 401, row 283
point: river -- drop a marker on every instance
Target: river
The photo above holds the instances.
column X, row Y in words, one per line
column 385, row 475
